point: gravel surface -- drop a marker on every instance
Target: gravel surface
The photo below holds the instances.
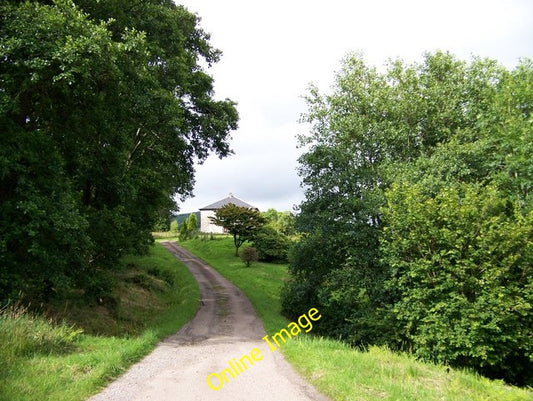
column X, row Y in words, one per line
column 225, row 329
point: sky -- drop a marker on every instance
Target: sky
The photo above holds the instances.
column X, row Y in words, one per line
column 273, row 50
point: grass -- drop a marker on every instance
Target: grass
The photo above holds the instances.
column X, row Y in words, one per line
column 164, row 235
column 379, row 374
column 71, row 359
column 339, row 371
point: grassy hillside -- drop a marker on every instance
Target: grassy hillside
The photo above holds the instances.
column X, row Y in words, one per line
column 70, row 360
column 339, row 371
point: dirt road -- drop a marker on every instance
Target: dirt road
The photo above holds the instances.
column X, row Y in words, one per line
column 224, row 331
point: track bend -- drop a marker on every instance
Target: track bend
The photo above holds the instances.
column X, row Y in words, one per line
column 224, row 327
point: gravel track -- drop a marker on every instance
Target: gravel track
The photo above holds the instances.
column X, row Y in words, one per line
column 224, row 327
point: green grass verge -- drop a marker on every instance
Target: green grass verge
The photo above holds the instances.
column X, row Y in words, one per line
column 336, row 369
column 42, row 360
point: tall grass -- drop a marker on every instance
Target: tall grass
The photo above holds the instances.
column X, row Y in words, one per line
column 25, row 334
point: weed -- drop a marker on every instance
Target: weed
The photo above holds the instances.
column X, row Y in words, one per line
column 23, row 333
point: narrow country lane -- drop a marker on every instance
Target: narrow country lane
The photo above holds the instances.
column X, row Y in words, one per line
column 225, row 327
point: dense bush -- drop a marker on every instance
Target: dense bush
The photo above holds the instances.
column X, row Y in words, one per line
column 461, row 271
column 273, row 246
column 174, row 227
column 283, row 222
column 163, row 222
column 189, row 228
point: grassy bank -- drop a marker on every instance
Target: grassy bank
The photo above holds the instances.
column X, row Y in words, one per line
column 92, row 344
column 337, row 370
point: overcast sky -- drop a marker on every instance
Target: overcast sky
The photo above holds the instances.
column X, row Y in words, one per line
column 272, row 51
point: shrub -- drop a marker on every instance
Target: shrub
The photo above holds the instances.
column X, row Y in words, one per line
column 192, row 226
column 272, row 245
column 162, row 223
column 99, row 286
column 249, row 255
column 460, row 264
column 189, row 228
column 183, row 235
column 283, row 222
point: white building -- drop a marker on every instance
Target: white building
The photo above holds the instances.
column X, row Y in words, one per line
column 206, row 226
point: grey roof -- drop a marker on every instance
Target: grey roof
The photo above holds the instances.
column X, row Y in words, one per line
column 226, row 201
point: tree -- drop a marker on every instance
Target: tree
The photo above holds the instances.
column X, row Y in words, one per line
column 44, row 246
column 192, row 225
column 189, row 227
column 116, row 94
column 435, row 152
column 336, row 263
column 174, row 229
column 282, row 222
column 183, row 233
column 457, row 237
column 241, row 222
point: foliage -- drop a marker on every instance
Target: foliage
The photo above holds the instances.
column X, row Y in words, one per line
column 283, row 222
column 402, row 150
column 104, row 107
column 249, row 255
column 241, row 222
column 174, row 227
column 163, row 221
column 461, row 271
column 44, row 244
column 272, row 245
column 192, row 225
column 189, row 228
column 183, row 232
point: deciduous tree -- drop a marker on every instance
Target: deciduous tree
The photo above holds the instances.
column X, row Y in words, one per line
column 241, row 222
column 418, row 211
column 115, row 93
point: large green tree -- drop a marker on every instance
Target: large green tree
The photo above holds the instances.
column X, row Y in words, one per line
column 458, row 132
column 115, row 94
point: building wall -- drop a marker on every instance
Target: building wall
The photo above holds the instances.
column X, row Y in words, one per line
column 205, row 223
